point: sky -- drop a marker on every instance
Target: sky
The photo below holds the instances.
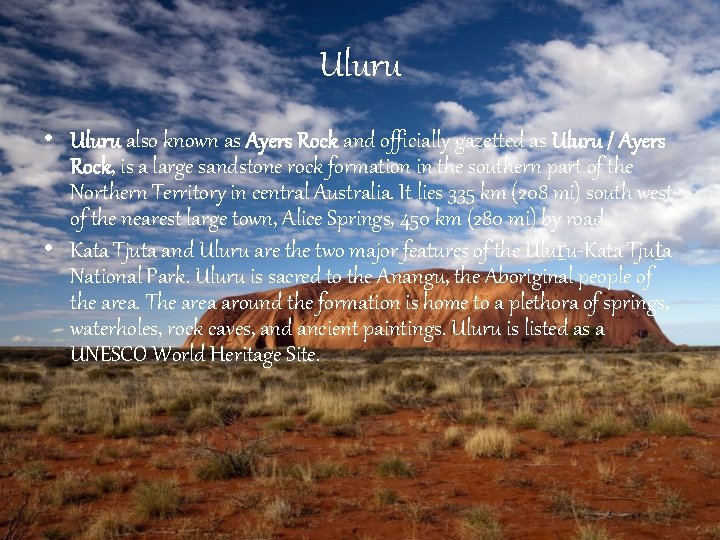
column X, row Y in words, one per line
column 478, row 67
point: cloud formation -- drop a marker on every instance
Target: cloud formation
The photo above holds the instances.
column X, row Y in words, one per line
column 645, row 72
column 455, row 116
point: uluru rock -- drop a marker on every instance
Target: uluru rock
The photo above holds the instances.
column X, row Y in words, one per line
column 449, row 315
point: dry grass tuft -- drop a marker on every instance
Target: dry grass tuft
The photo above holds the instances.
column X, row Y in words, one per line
column 159, row 499
column 491, row 442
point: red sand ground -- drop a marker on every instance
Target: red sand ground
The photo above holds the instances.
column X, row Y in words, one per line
column 432, row 504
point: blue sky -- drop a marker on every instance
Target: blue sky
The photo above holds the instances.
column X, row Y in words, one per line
column 473, row 67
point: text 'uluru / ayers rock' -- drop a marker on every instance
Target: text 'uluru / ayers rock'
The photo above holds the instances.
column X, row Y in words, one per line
column 334, row 321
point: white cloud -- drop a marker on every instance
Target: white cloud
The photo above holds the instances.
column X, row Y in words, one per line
column 645, row 72
column 675, row 27
column 392, row 36
column 424, row 20
column 455, row 116
column 33, row 163
column 22, row 339
column 237, row 85
column 625, row 86
column 427, row 18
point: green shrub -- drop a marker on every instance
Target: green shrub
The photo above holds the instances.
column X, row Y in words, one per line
column 387, row 496
column 375, row 356
column 415, row 383
column 18, row 375
column 238, row 462
column 395, row 467
column 244, row 373
column 130, row 428
column 701, row 401
column 110, row 373
column 667, row 360
column 270, row 381
column 58, row 360
column 648, row 344
column 486, row 377
column 380, row 374
column 182, row 405
column 617, row 361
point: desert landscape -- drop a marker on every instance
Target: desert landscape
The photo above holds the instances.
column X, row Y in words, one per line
column 367, row 444
column 408, row 270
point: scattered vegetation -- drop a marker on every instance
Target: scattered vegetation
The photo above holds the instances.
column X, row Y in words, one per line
column 275, row 434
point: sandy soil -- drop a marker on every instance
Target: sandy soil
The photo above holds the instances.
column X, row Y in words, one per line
column 533, row 493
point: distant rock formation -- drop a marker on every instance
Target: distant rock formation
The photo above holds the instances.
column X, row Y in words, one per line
column 345, row 305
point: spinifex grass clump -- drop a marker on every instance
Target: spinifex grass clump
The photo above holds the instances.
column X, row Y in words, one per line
column 280, row 423
column 159, row 499
column 452, row 437
column 481, row 523
column 670, row 420
column 71, row 487
column 564, row 420
column 225, row 466
column 330, row 408
column 310, row 472
column 387, row 496
column 491, row 442
column 591, row 531
column 395, row 467
column 525, row 416
column 565, row 505
column 107, row 525
column 605, row 424
column 487, row 377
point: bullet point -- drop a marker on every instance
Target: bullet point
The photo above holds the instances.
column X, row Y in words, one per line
column 48, row 137
column 48, row 247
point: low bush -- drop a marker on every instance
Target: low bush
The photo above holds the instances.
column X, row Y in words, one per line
column 415, row 383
